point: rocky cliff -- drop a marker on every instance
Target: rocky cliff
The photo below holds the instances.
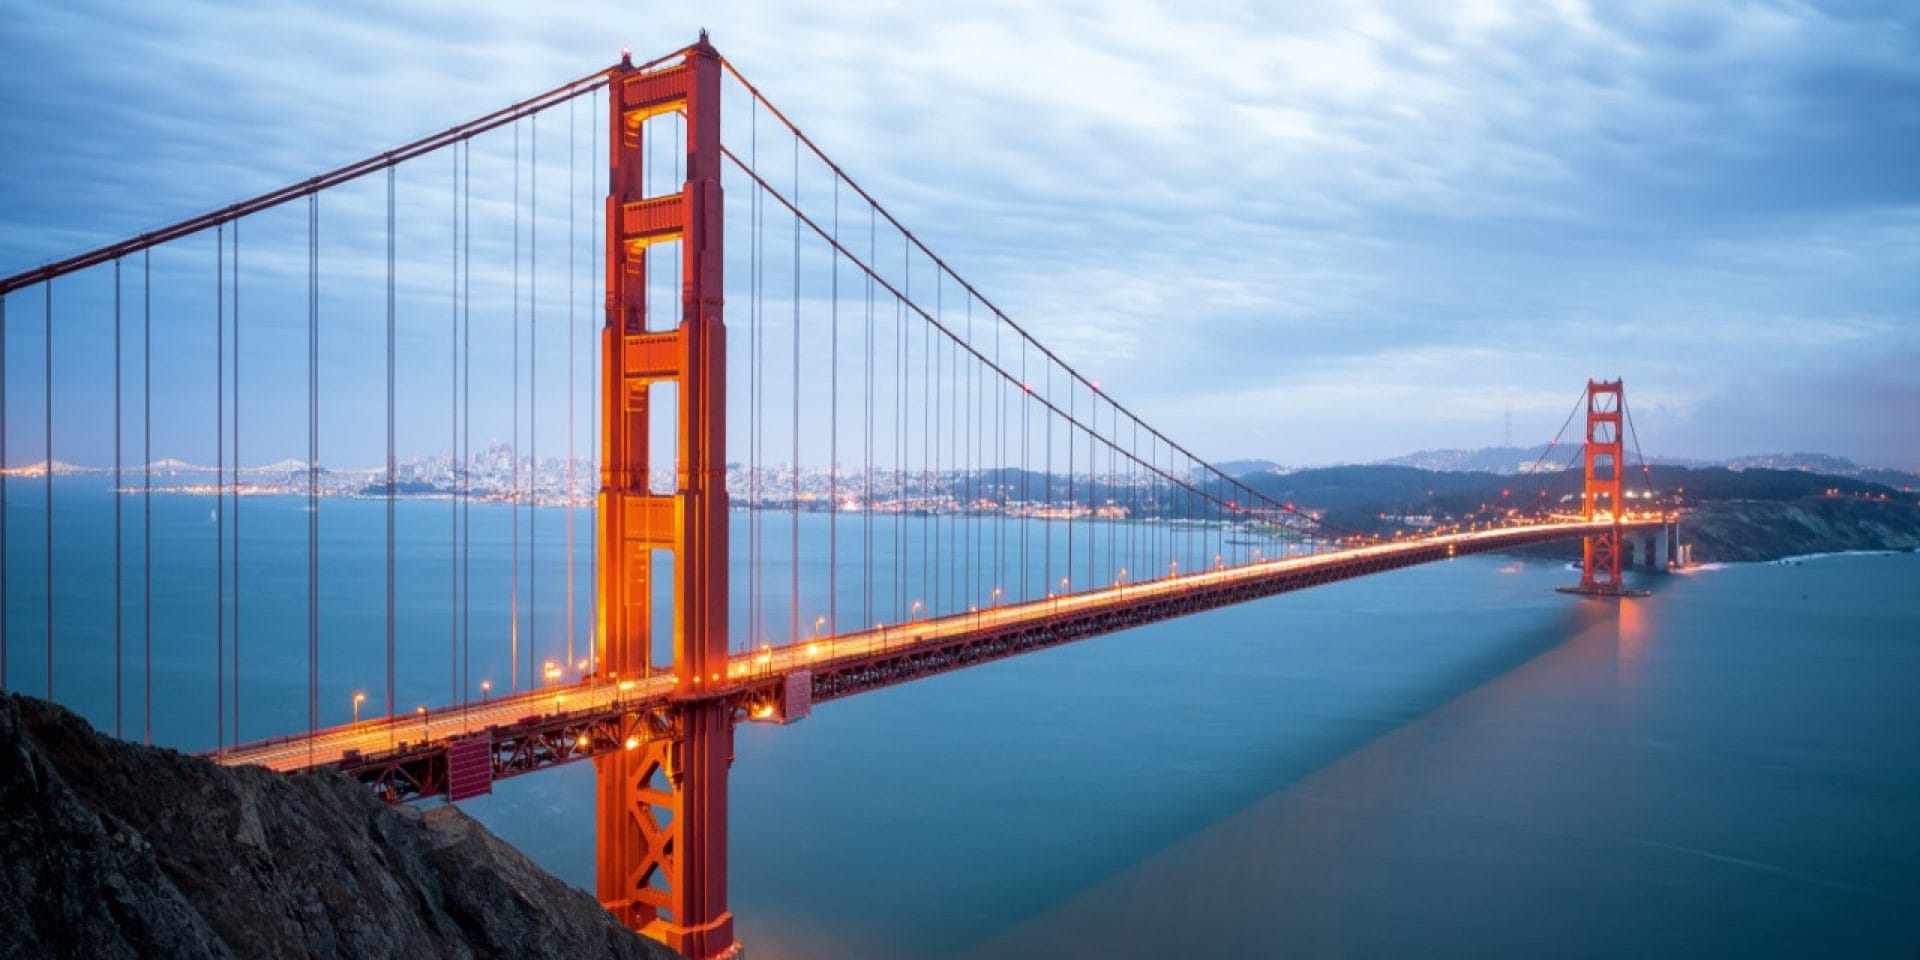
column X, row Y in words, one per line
column 1734, row 530
column 111, row 849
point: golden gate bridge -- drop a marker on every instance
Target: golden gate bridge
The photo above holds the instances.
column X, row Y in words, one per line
column 957, row 449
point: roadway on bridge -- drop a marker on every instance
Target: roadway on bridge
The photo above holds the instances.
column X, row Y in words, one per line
column 598, row 695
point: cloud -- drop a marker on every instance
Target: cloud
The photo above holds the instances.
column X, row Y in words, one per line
column 1348, row 209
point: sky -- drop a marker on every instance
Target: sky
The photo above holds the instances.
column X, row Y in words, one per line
column 1311, row 233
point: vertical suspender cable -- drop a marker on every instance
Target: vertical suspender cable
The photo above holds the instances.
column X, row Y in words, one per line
column 793, row 508
column 456, row 690
column 939, row 384
column 513, row 446
column 2, row 498
column 118, row 557
column 1026, row 492
column 1000, row 472
column 753, row 381
column 1047, row 517
column 533, row 397
column 219, row 488
column 960, row 387
column 928, row 573
column 573, row 383
column 390, row 444
column 936, row 347
column 466, row 419
column 48, row 383
column 866, row 507
column 593, row 409
column 146, row 489
column 756, row 338
column 236, row 482
column 1067, row 580
column 1135, row 503
column 833, row 435
column 900, row 422
column 976, row 441
column 313, row 469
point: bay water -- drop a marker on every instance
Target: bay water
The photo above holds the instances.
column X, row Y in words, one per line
column 1446, row 761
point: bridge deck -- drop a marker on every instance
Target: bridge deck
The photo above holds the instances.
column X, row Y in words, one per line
column 405, row 755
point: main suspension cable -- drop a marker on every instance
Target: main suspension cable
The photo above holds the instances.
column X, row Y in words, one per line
column 941, row 265
column 902, row 294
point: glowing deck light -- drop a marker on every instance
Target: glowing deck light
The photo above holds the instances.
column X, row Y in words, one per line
column 632, row 743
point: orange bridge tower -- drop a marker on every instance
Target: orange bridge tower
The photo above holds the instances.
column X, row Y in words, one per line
column 662, row 803
column 1603, row 498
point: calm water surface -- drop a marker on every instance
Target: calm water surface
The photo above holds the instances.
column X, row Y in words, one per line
column 1448, row 761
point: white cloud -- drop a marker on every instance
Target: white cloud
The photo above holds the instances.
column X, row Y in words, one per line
column 1272, row 199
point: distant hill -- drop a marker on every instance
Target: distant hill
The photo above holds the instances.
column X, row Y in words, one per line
column 1512, row 460
column 1240, row 468
column 1484, row 460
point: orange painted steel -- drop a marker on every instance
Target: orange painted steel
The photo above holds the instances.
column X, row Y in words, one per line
column 1605, row 469
column 662, row 805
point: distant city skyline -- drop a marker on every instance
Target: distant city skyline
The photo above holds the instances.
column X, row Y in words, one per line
column 1400, row 221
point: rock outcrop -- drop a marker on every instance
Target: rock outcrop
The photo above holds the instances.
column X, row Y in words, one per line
column 111, row 849
column 1736, row 530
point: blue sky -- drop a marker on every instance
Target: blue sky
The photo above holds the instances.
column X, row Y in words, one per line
column 1307, row 232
